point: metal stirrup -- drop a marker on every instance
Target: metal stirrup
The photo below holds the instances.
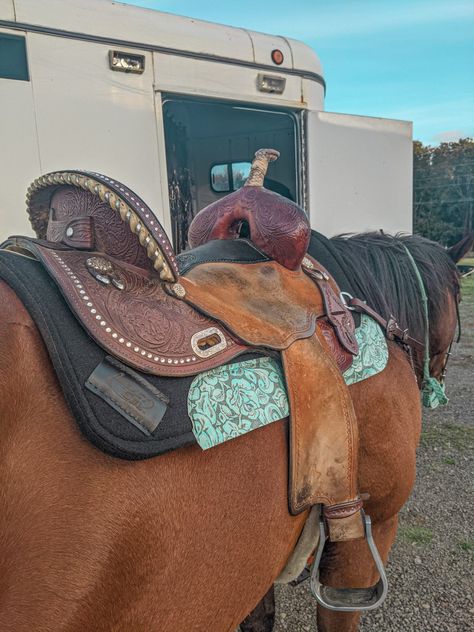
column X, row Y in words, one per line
column 349, row 599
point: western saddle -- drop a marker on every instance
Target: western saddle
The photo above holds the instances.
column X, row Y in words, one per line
column 116, row 268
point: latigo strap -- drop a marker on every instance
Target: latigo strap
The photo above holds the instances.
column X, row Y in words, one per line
column 392, row 329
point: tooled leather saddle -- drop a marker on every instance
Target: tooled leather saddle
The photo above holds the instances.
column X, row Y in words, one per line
column 113, row 263
column 116, row 268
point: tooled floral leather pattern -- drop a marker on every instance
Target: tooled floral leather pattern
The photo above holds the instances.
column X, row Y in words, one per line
column 338, row 315
column 76, row 233
column 278, row 227
column 231, row 400
column 342, row 357
column 140, row 324
column 110, row 233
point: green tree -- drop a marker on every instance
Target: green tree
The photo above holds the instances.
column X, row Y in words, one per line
column 443, row 190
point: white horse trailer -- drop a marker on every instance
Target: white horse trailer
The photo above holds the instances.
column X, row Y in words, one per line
column 175, row 108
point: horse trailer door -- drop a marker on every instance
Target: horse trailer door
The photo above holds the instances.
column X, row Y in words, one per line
column 359, row 173
column 209, row 149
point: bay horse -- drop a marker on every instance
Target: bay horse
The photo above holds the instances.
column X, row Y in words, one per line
column 378, row 267
column 191, row 540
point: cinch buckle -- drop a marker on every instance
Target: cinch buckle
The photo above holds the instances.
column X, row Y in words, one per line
column 345, row 298
column 349, row 599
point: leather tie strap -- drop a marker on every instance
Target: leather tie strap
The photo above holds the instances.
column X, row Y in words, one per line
column 392, row 329
column 75, row 233
column 336, row 311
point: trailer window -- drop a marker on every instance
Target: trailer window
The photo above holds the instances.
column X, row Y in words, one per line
column 220, row 180
column 240, row 173
column 209, row 149
column 13, row 62
column 229, row 176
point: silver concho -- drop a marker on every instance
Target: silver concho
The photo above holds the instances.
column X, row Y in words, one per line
column 103, row 271
column 178, row 290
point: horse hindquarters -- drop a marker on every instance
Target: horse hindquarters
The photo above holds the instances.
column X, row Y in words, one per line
column 187, row 541
column 388, row 411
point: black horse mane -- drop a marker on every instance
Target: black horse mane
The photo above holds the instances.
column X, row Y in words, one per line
column 383, row 274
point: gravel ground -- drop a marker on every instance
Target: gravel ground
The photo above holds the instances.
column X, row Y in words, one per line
column 431, row 566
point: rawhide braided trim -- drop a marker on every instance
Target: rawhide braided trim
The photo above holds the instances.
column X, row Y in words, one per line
column 39, row 216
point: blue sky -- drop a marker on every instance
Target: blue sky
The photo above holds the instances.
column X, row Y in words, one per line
column 406, row 59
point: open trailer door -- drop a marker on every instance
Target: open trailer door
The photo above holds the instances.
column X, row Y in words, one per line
column 359, row 173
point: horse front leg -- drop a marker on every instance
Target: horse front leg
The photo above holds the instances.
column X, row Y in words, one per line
column 350, row 564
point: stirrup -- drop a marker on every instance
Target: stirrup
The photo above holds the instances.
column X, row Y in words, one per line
column 349, row 599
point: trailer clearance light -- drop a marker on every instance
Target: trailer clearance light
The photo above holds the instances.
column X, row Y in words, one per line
column 126, row 62
column 277, row 57
column 270, row 83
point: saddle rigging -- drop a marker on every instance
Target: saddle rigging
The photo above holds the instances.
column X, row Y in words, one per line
column 113, row 263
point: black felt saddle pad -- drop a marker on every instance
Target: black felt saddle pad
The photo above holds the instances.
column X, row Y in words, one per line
column 75, row 356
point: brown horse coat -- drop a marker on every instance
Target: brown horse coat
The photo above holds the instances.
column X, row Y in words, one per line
column 189, row 541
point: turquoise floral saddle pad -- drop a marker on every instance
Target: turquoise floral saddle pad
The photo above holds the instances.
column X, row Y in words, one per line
column 234, row 399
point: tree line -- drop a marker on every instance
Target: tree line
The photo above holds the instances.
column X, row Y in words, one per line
column 443, row 190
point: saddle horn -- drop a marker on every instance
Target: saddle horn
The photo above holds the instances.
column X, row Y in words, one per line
column 276, row 225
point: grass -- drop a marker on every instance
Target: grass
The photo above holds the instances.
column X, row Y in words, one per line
column 467, row 288
column 449, row 460
column 467, row 315
column 467, row 261
column 467, row 296
column 448, row 435
column 466, row 545
column 416, row 535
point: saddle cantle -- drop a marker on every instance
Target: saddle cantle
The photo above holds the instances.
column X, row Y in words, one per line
column 88, row 211
column 115, row 266
column 118, row 272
